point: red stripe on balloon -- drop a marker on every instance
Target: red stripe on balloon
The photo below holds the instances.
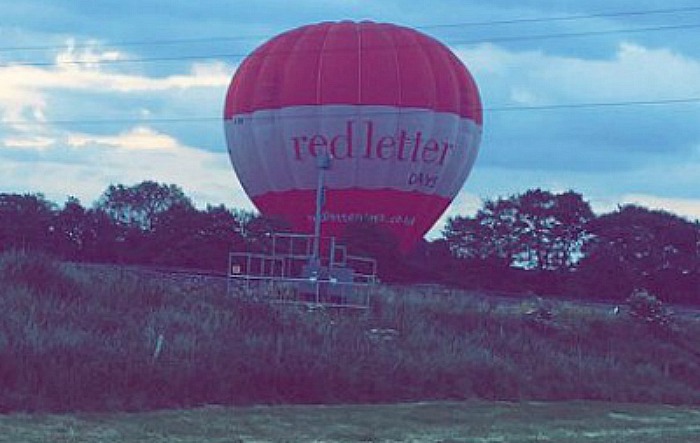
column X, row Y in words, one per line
column 407, row 215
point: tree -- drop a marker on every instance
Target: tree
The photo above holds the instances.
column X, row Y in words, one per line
column 378, row 242
column 649, row 249
column 536, row 230
column 139, row 206
column 87, row 234
column 103, row 239
column 487, row 236
column 71, row 229
column 26, row 221
column 134, row 211
column 553, row 228
column 257, row 230
column 185, row 236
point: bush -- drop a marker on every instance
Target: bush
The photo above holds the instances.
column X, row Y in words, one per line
column 647, row 308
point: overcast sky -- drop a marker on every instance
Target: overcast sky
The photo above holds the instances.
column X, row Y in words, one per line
column 601, row 97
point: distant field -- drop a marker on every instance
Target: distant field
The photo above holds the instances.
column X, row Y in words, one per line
column 569, row 422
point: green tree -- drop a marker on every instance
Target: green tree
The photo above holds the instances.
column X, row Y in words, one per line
column 185, row 236
column 71, row 229
column 535, row 230
column 645, row 249
column 486, row 236
column 26, row 221
column 257, row 230
column 378, row 242
column 139, row 206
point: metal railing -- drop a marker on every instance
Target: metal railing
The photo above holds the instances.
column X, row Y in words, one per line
column 291, row 273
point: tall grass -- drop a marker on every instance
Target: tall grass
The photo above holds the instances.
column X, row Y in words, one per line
column 73, row 339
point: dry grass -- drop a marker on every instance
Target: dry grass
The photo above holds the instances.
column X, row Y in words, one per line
column 570, row 422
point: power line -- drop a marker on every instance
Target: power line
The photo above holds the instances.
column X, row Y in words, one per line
column 565, row 17
column 582, row 34
column 113, row 121
column 424, row 27
column 671, row 101
column 457, row 42
column 138, row 43
column 126, row 60
column 494, row 109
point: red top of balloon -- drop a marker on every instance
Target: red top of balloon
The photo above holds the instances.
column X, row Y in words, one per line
column 363, row 63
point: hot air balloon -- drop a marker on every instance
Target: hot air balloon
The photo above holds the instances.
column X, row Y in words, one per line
column 395, row 111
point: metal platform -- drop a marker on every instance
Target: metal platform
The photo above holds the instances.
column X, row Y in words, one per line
column 298, row 271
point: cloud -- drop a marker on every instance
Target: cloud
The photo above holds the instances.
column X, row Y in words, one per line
column 39, row 153
column 594, row 139
column 88, row 58
column 27, row 92
column 42, row 103
column 84, row 164
column 28, row 142
column 633, row 73
column 138, row 138
column 201, row 75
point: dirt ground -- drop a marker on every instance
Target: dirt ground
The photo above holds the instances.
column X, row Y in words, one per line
column 570, row 422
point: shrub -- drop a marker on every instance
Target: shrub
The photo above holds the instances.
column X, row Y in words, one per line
column 647, row 308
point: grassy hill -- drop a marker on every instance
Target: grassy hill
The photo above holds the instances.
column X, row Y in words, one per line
column 74, row 339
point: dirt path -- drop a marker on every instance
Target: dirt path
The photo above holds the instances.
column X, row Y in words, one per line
column 478, row 422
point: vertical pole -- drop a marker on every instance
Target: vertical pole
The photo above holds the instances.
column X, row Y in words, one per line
column 229, row 275
column 317, row 218
column 323, row 163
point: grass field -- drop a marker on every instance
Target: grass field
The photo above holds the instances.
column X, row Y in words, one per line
column 108, row 340
column 566, row 422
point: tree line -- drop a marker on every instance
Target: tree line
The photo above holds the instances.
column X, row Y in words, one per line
column 538, row 241
column 554, row 243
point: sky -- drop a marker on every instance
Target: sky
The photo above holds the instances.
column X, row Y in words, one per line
column 599, row 97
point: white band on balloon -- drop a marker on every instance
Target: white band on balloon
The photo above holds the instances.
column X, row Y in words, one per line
column 372, row 147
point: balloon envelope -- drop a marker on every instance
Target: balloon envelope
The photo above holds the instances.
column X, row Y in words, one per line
column 397, row 112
